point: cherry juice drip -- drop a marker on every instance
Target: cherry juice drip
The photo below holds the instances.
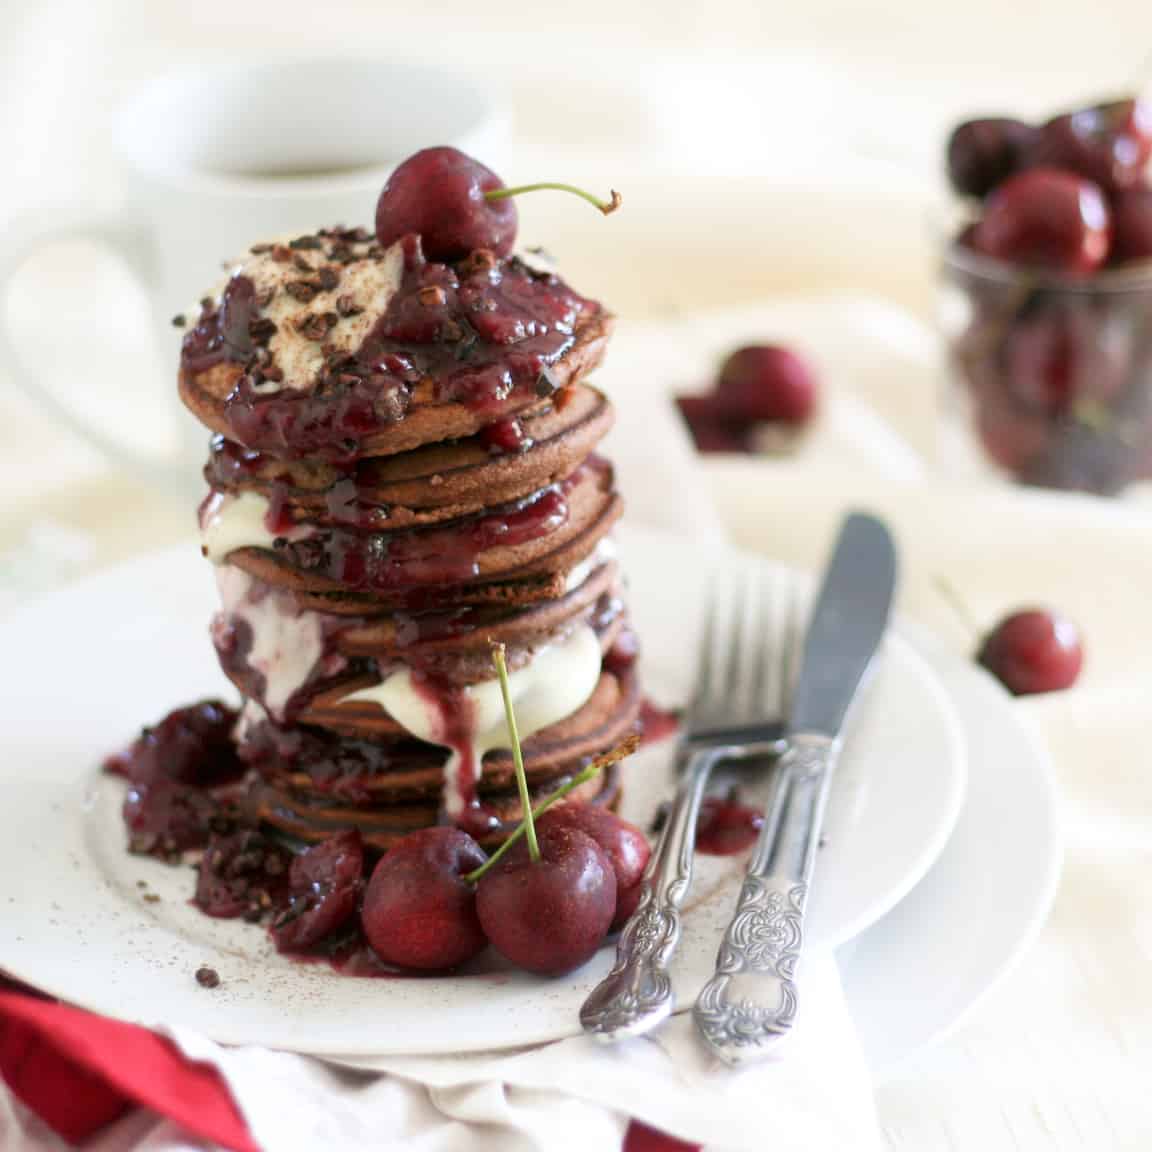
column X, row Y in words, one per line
column 481, row 332
column 455, row 728
column 726, row 827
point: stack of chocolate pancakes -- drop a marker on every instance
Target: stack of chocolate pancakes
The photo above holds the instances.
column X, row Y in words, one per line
column 403, row 472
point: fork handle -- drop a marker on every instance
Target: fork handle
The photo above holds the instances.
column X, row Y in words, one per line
column 637, row 994
column 750, row 1001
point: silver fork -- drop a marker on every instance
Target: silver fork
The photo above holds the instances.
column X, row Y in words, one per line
column 746, row 667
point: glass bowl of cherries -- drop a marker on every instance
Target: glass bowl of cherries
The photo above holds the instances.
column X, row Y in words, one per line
column 1047, row 302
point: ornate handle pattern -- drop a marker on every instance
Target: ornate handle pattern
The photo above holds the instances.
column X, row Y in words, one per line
column 636, row 995
column 751, row 999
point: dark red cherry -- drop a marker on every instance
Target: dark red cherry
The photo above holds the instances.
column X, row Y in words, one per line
column 1108, row 144
column 438, row 193
column 624, row 844
column 767, row 383
column 240, row 875
column 1046, row 218
column 324, row 883
column 712, row 429
column 1033, row 651
column 1013, row 441
column 1057, row 357
column 419, row 911
column 984, row 153
column 549, row 915
column 1132, row 225
column 191, row 745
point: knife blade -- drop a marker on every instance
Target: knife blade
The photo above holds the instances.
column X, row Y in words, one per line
column 847, row 624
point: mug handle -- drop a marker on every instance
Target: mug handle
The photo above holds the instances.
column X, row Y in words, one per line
column 26, row 237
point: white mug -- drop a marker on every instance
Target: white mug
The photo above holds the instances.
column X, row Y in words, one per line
column 217, row 159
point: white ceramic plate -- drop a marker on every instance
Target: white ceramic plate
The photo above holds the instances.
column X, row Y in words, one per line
column 914, row 975
column 89, row 664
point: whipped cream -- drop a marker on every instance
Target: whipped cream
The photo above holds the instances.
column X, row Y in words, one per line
column 367, row 284
column 604, row 551
column 287, row 641
column 557, row 683
column 229, row 521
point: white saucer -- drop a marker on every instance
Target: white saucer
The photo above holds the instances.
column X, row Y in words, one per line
column 914, row 975
column 97, row 659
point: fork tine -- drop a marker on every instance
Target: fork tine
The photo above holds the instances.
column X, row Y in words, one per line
column 736, row 639
column 759, row 700
column 706, row 661
column 792, row 636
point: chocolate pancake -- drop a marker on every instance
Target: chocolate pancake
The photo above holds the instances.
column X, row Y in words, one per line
column 308, row 820
column 437, row 482
column 287, row 657
column 392, row 767
column 330, row 706
column 545, row 535
column 330, row 347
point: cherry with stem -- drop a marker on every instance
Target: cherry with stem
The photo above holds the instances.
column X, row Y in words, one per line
column 548, row 903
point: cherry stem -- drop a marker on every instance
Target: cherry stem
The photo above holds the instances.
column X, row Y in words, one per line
column 606, row 206
column 956, row 602
column 517, row 756
column 580, row 778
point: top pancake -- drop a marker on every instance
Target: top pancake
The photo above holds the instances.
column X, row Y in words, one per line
column 330, row 346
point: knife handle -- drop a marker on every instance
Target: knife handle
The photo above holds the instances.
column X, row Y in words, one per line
column 750, row 1001
column 636, row 995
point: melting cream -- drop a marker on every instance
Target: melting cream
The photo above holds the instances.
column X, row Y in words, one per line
column 604, row 551
column 229, row 521
column 287, row 641
column 557, row 683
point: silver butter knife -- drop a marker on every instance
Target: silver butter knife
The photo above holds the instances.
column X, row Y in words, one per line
column 750, row 1001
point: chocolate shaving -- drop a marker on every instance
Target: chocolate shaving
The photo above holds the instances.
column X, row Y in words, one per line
column 316, row 325
column 281, row 254
column 481, row 260
column 329, row 278
column 306, row 243
column 301, row 265
column 347, row 306
column 260, row 249
column 302, row 290
column 433, row 296
column 262, row 329
column 179, row 321
column 207, row 977
column 546, row 383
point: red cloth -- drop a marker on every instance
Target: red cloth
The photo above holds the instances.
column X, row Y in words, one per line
column 78, row 1072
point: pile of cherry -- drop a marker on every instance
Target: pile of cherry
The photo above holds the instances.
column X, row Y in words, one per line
column 545, row 900
column 1056, row 353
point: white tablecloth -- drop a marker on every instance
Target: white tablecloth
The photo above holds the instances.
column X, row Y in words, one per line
column 1056, row 1056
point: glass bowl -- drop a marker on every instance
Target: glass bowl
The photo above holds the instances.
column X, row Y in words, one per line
column 1052, row 376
